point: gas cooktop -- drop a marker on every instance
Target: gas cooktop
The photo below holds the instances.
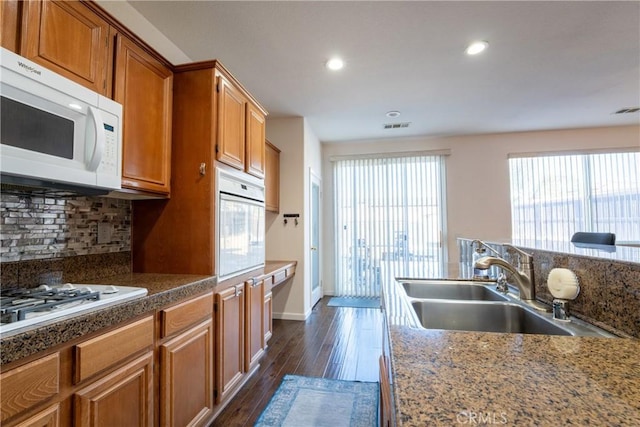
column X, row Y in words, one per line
column 24, row 308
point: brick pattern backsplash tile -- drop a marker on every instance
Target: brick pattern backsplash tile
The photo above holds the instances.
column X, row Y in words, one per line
column 36, row 226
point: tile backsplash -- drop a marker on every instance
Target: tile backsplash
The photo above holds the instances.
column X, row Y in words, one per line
column 609, row 290
column 36, row 226
column 72, row 269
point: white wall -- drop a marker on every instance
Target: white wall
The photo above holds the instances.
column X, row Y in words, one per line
column 140, row 26
column 300, row 151
column 478, row 201
column 313, row 164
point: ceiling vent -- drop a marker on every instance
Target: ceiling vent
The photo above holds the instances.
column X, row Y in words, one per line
column 628, row 110
column 397, row 125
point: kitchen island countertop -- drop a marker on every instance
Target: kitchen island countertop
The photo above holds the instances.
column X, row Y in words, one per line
column 456, row 378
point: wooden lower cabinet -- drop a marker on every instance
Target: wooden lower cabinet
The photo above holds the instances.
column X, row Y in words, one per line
column 385, row 393
column 49, row 417
column 186, row 377
column 267, row 313
column 29, row 386
column 229, row 319
column 122, row 398
column 254, row 330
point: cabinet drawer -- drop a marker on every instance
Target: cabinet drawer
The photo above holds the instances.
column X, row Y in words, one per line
column 27, row 386
column 282, row 275
column 111, row 348
column 279, row 277
column 185, row 314
column 49, row 417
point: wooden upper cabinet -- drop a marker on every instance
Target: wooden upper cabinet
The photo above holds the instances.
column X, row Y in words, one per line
column 230, row 148
column 10, row 25
column 272, row 178
column 255, row 141
column 144, row 87
column 68, row 38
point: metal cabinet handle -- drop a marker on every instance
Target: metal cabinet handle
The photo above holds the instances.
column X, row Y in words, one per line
column 203, row 169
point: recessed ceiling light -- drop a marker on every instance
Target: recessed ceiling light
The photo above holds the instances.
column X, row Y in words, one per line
column 335, row 64
column 476, row 47
column 393, row 113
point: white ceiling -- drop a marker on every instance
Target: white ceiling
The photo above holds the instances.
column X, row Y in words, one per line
column 550, row 65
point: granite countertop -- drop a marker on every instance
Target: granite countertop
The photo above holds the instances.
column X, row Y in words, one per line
column 163, row 290
column 453, row 377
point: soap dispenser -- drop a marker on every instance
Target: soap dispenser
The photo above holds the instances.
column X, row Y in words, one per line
column 564, row 286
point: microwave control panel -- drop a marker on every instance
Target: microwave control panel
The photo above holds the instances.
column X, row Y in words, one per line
column 109, row 162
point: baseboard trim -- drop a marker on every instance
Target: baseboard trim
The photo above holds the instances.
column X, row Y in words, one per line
column 291, row 316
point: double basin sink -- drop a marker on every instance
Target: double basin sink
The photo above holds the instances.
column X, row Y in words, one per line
column 477, row 306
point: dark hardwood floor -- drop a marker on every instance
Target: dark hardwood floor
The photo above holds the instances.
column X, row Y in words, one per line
column 334, row 342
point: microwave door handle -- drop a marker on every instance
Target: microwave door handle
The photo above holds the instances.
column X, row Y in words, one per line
column 94, row 160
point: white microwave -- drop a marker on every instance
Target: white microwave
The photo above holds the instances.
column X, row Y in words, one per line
column 55, row 133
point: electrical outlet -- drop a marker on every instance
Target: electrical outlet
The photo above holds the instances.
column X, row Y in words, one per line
column 104, row 232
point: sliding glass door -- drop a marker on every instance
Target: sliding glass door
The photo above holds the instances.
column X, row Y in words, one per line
column 389, row 219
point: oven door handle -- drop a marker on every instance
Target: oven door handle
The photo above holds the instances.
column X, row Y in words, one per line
column 240, row 199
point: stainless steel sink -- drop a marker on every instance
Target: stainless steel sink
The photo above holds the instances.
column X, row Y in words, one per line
column 495, row 316
column 485, row 317
column 451, row 290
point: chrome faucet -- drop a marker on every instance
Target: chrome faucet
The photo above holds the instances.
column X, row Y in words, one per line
column 481, row 244
column 479, row 252
column 523, row 276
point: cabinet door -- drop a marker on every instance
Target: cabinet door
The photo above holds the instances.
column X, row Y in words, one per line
column 186, row 377
column 143, row 86
column 385, row 393
column 267, row 324
column 231, row 124
column 122, row 398
column 254, row 330
column 68, row 38
column 255, row 141
column 229, row 340
column 10, row 25
column 272, row 178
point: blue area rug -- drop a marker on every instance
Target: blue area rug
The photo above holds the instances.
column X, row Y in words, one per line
column 317, row 402
column 357, row 302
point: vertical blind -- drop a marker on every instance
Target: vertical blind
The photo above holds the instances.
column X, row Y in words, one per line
column 553, row 197
column 389, row 220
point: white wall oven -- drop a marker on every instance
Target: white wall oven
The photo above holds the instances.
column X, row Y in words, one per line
column 240, row 228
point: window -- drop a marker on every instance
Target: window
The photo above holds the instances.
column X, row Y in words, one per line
column 389, row 220
column 554, row 196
